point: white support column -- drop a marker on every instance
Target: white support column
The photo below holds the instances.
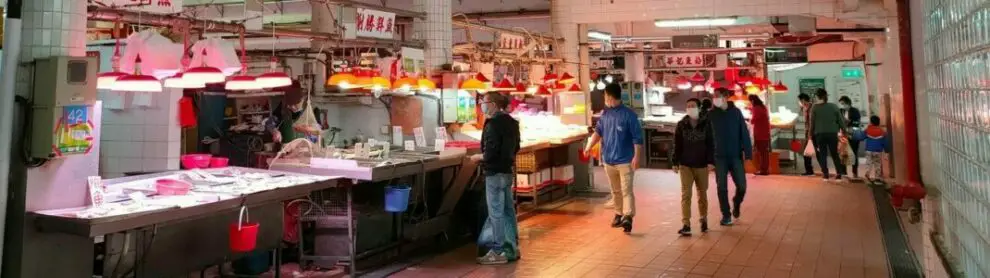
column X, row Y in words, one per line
column 889, row 83
column 563, row 25
column 436, row 30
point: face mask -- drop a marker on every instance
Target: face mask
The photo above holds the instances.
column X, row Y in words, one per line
column 719, row 102
column 845, row 106
column 693, row 112
column 485, row 109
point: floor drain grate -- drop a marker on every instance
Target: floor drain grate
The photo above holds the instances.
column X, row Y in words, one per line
column 903, row 263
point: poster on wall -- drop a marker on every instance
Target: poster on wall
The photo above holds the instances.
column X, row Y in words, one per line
column 148, row 6
column 374, row 24
column 685, row 60
column 810, row 85
column 851, row 89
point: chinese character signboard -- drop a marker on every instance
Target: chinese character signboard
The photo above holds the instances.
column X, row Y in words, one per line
column 786, row 55
column 374, row 24
column 510, row 41
column 688, row 60
column 148, row 6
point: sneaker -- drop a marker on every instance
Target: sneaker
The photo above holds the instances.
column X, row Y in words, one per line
column 685, row 231
column 704, row 225
column 493, row 258
column 726, row 221
column 627, row 224
column 617, row 221
column 609, row 204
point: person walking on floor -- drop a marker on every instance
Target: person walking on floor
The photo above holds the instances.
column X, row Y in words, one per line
column 853, row 120
column 621, row 136
column 805, row 101
column 694, row 157
column 761, row 133
column 732, row 144
column 876, row 145
column 499, row 145
column 826, row 123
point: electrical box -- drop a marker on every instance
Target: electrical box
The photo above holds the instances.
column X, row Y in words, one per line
column 62, row 101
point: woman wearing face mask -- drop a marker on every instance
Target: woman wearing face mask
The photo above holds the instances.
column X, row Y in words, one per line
column 694, row 157
column 853, row 120
column 280, row 123
column 761, row 133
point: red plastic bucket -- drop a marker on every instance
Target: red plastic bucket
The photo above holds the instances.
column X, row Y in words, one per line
column 243, row 234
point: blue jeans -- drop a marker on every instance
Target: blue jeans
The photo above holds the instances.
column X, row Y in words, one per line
column 725, row 166
column 500, row 228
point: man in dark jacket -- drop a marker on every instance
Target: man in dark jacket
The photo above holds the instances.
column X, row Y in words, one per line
column 694, row 156
column 499, row 145
column 826, row 124
column 731, row 144
column 805, row 101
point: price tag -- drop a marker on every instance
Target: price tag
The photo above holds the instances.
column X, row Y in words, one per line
column 397, row 135
column 442, row 133
column 410, row 145
column 96, row 191
column 439, row 145
column 372, row 142
column 359, row 150
column 420, row 136
column 366, row 151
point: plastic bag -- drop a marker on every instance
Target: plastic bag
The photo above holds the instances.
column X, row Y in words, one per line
column 845, row 151
column 809, row 149
column 307, row 122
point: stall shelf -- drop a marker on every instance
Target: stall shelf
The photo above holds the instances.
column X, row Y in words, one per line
column 170, row 240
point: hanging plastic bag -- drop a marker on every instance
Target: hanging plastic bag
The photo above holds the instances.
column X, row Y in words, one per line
column 307, row 123
column 809, row 149
column 187, row 112
column 845, row 151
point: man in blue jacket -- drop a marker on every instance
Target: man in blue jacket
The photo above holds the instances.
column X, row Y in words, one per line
column 731, row 144
column 621, row 135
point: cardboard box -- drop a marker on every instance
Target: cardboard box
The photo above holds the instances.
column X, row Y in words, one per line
column 563, row 174
column 527, row 180
column 546, row 175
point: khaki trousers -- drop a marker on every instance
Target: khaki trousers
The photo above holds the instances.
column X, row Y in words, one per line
column 698, row 177
column 620, row 177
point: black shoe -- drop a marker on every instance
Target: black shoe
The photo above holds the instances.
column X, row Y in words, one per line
column 685, row 231
column 617, row 222
column 704, row 225
column 627, row 224
column 735, row 211
column 726, row 221
column 808, row 174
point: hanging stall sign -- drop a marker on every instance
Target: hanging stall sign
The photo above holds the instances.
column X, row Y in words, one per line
column 511, row 41
column 374, row 24
column 694, row 41
column 413, row 61
column 148, row 6
column 786, row 55
column 689, row 60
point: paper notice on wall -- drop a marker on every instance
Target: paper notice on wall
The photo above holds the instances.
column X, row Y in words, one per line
column 410, row 145
column 113, row 100
column 420, row 136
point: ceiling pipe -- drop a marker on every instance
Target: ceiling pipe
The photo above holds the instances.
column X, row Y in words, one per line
column 510, row 15
column 107, row 14
column 536, row 36
column 851, row 30
column 348, row 3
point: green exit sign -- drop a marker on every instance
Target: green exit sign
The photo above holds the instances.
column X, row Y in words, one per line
column 852, row 73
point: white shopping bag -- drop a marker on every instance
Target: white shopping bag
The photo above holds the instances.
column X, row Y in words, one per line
column 809, row 150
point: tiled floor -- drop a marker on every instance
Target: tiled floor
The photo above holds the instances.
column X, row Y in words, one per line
column 790, row 227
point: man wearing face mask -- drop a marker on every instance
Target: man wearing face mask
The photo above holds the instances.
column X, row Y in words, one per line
column 694, row 156
column 499, row 145
column 621, row 135
column 805, row 101
column 826, row 123
column 732, row 143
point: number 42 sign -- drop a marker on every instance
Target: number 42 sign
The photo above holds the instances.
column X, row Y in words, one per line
column 74, row 132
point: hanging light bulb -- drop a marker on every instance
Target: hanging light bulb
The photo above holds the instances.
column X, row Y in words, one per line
column 137, row 82
column 600, row 85
column 683, row 83
column 473, row 84
column 609, row 78
column 204, row 74
column 105, row 80
column 550, row 77
column 698, row 88
column 779, row 88
column 543, row 91
column 504, row 86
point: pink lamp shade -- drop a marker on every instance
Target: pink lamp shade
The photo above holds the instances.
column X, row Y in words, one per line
column 543, row 91
column 137, row 83
column 105, row 81
column 550, row 77
column 273, row 79
column 178, row 81
column 203, row 75
column 697, row 77
column 242, row 83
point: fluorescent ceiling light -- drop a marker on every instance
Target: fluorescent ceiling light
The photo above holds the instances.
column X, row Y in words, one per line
column 785, row 67
column 600, row 35
column 696, row 22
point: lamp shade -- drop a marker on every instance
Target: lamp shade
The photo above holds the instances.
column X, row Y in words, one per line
column 105, row 81
column 137, row 83
column 566, row 78
column 543, row 91
column 683, row 83
column 752, row 89
column 473, row 84
column 550, row 77
column 520, row 89
column 343, row 80
column 481, row 77
column 178, row 81
column 779, row 88
column 204, row 74
column 426, row 84
column 404, row 84
column 504, row 86
column 574, row 88
column 379, row 83
column 242, row 83
column 273, row 79
column 697, row 77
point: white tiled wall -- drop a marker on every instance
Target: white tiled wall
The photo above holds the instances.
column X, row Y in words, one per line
column 138, row 138
column 435, row 30
column 585, row 11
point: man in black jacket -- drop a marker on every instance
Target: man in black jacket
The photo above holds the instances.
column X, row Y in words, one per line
column 694, row 157
column 499, row 145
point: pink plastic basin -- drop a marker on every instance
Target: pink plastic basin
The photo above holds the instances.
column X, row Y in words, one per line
column 218, row 162
column 170, row 187
column 195, row 161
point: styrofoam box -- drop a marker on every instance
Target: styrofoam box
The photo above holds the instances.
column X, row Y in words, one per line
column 563, row 173
column 546, row 175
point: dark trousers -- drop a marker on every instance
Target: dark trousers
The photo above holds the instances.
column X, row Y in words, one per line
column 855, row 146
column 762, row 150
column 809, row 168
column 725, row 166
column 827, row 144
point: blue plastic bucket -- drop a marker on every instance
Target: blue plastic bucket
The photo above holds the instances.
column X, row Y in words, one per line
column 396, row 198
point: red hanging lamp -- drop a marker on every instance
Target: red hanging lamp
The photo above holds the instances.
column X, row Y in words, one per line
column 243, row 82
column 137, row 82
column 779, row 88
column 178, row 80
column 105, row 80
column 566, row 78
column 697, row 77
column 273, row 78
column 204, row 74
column 542, row 90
